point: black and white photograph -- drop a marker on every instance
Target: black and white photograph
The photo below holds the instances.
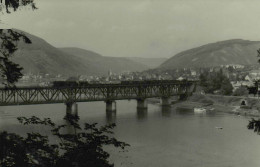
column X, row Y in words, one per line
column 129, row 83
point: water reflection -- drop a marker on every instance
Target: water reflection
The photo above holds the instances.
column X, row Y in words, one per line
column 166, row 111
column 184, row 111
column 141, row 113
column 69, row 129
column 111, row 117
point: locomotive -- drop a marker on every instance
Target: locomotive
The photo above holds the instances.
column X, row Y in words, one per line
column 59, row 84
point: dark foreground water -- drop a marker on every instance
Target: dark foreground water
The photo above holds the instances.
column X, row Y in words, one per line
column 160, row 137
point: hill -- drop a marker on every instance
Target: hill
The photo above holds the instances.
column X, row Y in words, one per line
column 149, row 62
column 236, row 51
column 41, row 57
column 100, row 64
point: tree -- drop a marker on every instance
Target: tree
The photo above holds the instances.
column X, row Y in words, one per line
column 241, row 91
column 258, row 55
column 226, row 87
column 83, row 147
column 203, row 79
column 253, row 89
column 215, row 81
column 15, row 4
column 255, row 124
column 10, row 71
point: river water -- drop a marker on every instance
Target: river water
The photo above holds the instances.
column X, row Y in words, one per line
column 160, row 137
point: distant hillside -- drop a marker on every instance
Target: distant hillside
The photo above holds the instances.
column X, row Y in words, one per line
column 42, row 57
column 101, row 64
column 236, row 51
column 149, row 62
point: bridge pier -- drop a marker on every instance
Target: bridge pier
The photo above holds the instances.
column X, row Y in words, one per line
column 166, row 101
column 141, row 113
column 71, row 114
column 71, row 108
column 141, row 104
column 166, row 111
column 110, row 106
column 111, row 116
column 183, row 96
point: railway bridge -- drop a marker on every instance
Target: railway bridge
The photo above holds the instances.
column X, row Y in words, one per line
column 70, row 95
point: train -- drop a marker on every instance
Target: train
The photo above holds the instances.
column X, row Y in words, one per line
column 59, row 84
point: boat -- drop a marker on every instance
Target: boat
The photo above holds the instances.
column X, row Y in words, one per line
column 199, row 110
column 218, row 127
column 211, row 109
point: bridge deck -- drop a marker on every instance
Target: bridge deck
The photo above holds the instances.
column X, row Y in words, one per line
column 92, row 92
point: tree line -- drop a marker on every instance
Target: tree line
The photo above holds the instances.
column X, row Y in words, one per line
column 215, row 82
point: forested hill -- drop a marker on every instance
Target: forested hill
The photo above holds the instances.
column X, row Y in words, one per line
column 236, row 51
column 42, row 57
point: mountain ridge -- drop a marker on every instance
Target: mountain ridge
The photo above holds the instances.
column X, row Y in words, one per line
column 105, row 64
column 234, row 51
column 149, row 62
column 42, row 57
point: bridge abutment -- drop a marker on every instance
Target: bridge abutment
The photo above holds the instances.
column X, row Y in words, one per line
column 141, row 104
column 71, row 108
column 166, row 101
column 110, row 106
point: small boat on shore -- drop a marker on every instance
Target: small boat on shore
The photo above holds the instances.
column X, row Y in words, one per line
column 211, row 109
column 199, row 110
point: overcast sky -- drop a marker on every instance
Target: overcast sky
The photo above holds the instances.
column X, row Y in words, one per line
column 138, row 28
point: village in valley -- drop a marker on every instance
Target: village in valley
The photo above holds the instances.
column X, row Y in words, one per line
column 238, row 75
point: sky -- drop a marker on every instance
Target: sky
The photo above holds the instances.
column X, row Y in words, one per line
column 138, row 28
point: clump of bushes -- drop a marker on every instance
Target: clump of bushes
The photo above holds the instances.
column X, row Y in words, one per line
column 83, row 146
column 241, row 91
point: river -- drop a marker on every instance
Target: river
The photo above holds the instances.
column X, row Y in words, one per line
column 160, row 137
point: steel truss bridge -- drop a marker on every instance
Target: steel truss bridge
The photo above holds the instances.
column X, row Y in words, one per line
column 94, row 92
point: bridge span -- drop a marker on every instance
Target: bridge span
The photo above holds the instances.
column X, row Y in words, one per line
column 97, row 92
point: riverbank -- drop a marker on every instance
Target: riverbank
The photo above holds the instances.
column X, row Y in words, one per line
column 217, row 103
column 227, row 104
